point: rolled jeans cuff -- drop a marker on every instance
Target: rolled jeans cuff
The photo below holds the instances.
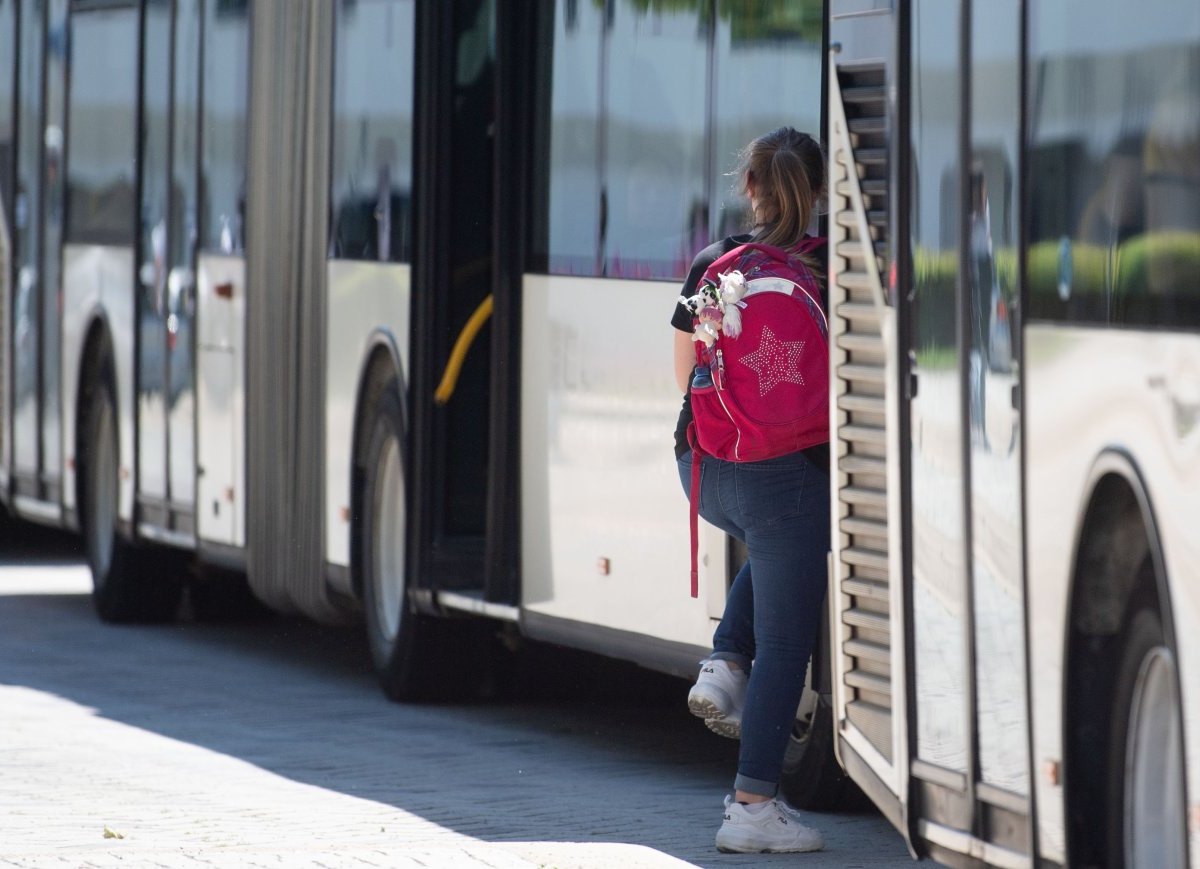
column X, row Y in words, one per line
column 733, row 658
column 755, row 786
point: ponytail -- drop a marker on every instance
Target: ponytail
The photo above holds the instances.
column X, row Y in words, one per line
column 784, row 172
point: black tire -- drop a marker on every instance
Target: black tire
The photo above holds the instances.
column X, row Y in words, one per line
column 129, row 584
column 416, row 656
column 1160, row 840
column 220, row 596
column 812, row 778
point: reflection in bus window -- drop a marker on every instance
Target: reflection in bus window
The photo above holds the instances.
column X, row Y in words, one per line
column 1115, row 164
column 8, row 79
column 646, row 113
column 653, row 143
column 100, row 183
column 372, row 134
column 776, row 42
column 226, row 77
column 939, row 569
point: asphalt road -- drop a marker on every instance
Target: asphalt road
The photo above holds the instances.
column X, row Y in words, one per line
column 268, row 744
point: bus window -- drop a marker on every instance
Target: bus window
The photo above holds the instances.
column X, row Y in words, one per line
column 1114, row 178
column 647, row 112
column 26, row 231
column 768, row 57
column 939, row 568
column 373, row 132
column 223, row 162
column 653, row 163
column 628, row 195
column 8, row 80
column 993, row 326
column 100, row 184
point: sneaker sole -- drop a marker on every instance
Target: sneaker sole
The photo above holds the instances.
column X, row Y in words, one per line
column 727, row 849
column 703, row 707
column 724, row 727
column 731, row 845
column 714, row 717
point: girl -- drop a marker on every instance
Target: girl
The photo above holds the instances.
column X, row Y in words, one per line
column 780, row 509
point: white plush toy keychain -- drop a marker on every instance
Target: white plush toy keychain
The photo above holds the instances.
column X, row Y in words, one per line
column 733, row 287
column 717, row 309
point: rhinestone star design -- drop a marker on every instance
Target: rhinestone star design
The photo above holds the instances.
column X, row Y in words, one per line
column 775, row 362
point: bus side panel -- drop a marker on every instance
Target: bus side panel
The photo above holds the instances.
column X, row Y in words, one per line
column 605, row 518
column 98, row 281
column 220, row 399
column 1073, row 419
column 364, row 299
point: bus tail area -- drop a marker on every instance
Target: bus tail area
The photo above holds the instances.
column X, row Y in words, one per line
column 1015, row 367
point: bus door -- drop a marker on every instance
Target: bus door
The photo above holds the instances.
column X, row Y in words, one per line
column 38, row 210
column 968, row 718
column 166, row 259
column 8, row 83
column 219, row 291
column 455, row 282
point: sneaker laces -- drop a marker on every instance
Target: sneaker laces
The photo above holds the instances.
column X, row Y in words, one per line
column 790, row 812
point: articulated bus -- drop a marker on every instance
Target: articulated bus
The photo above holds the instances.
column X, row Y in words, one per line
column 246, row 247
column 367, row 301
column 1015, row 255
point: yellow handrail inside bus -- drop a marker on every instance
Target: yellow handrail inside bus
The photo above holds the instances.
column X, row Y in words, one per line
column 459, row 353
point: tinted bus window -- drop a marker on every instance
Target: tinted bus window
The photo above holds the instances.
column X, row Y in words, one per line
column 1114, row 167
column 573, row 246
column 373, row 131
column 223, row 161
column 768, row 72
column 627, row 187
column 8, row 80
column 102, row 123
column 653, row 167
column 646, row 113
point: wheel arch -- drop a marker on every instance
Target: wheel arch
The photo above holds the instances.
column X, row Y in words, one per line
column 382, row 363
column 1118, row 568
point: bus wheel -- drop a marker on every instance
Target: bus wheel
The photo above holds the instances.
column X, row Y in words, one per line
column 812, row 778
column 417, row 656
column 128, row 584
column 1147, row 814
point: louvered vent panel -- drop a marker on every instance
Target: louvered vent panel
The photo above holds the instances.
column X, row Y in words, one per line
column 859, row 213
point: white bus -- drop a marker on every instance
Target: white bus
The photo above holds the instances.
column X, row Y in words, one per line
column 1015, row 257
column 240, row 241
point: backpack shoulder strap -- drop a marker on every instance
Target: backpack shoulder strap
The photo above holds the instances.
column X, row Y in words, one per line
column 727, row 261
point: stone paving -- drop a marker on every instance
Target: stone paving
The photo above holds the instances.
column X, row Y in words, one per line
column 269, row 745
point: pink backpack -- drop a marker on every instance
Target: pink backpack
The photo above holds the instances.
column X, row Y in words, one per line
column 761, row 387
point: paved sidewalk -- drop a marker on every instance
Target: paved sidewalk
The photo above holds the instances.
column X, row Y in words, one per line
column 269, row 745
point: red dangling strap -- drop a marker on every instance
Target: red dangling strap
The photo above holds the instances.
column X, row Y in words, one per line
column 694, row 505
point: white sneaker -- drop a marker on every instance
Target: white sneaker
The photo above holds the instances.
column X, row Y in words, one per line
column 766, row 827
column 718, row 697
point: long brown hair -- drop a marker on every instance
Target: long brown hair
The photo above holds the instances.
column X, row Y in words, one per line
column 784, row 171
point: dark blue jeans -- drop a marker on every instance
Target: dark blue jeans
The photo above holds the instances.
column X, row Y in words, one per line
column 780, row 509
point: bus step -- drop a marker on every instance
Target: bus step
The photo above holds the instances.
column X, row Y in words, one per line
column 870, row 588
column 865, row 497
column 858, row 403
column 869, row 682
column 863, row 527
column 868, row 651
column 865, row 557
column 877, row 622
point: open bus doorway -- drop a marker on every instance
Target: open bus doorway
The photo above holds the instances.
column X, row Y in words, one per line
column 454, row 275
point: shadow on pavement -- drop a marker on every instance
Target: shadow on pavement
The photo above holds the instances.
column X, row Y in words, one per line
column 593, row 750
